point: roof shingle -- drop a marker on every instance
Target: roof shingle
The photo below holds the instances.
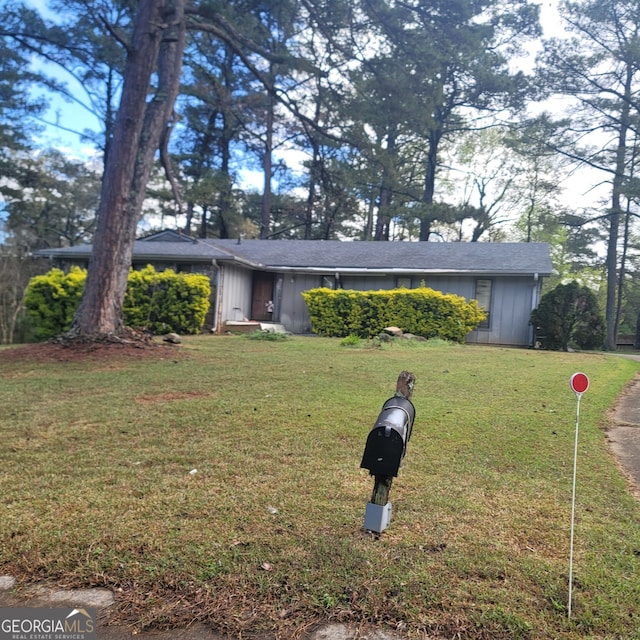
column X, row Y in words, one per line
column 406, row 256
column 331, row 255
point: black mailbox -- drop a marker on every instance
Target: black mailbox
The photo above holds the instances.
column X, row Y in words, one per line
column 387, row 441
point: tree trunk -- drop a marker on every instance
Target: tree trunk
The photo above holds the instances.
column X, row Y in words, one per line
column 623, row 271
column 614, row 216
column 382, row 484
column 368, row 228
column 157, row 46
column 612, row 267
column 386, row 188
column 314, row 167
column 429, row 185
column 383, row 220
column 267, row 165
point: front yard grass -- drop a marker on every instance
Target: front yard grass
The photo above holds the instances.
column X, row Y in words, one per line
column 223, row 485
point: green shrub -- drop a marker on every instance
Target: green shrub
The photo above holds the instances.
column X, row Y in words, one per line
column 423, row 312
column 569, row 314
column 161, row 302
column 164, row 301
column 51, row 300
column 350, row 341
column 268, row 336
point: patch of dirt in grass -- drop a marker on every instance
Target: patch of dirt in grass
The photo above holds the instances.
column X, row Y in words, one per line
column 85, row 351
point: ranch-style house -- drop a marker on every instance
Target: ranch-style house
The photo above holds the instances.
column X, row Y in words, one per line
column 260, row 281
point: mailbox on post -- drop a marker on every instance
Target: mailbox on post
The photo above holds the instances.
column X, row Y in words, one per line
column 385, row 447
column 387, row 441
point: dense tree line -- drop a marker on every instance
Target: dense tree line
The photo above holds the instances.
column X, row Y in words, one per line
column 364, row 119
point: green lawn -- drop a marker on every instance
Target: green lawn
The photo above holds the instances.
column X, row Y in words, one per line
column 96, row 489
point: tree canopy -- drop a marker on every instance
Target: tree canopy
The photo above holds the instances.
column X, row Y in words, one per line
column 369, row 119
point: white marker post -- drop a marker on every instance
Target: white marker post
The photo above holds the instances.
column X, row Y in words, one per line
column 579, row 383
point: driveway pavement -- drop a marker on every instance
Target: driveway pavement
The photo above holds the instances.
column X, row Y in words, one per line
column 624, row 433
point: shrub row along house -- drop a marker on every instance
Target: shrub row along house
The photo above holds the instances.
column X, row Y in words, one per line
column 260, row 281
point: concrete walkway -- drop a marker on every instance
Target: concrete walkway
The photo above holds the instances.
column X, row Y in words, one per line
column 624, row 434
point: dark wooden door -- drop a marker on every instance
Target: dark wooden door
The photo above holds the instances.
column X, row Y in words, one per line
column 262, row 300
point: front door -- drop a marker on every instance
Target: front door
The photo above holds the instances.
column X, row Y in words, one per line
column 262, row 300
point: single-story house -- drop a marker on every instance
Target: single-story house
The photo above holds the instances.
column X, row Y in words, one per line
column 261, row 280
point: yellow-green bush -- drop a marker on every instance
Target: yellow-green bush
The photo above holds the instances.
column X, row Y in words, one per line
column 51, row 300
column 161, row 301
column 423, row 312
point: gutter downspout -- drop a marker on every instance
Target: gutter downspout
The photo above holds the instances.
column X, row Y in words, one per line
column 217, row 316
column 535, row 291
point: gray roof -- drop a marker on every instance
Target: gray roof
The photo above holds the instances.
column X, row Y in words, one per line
column 181, row 251
column 334, row 255
column 447, row 257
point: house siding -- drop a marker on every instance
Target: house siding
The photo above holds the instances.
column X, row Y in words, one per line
column 293, row 313
column 461, row 286
column 512, row 302
column 233, row 294
column 368, row 283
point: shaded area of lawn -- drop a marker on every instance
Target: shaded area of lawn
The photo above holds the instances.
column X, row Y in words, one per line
column 223, row 485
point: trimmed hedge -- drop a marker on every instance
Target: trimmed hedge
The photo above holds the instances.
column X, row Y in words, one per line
column 51, row 300
column 165, row 301
column 161, row 302
column 423, row 312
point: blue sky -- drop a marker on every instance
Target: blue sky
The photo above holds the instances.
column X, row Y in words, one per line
column 70, row 116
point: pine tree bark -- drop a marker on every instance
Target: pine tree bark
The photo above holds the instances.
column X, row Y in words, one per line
column 157, row 46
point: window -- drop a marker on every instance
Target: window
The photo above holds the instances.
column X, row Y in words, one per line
column 403, row 283
column 483, row 296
